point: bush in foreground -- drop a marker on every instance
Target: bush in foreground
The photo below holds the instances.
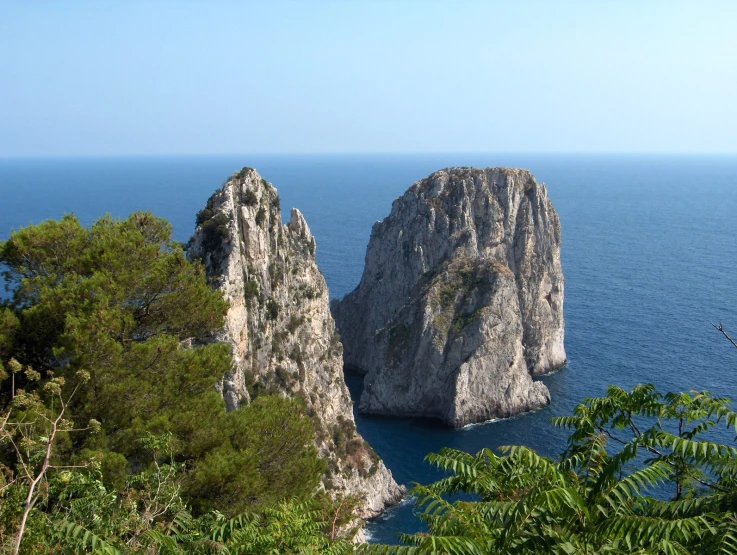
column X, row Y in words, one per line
column 642, row 473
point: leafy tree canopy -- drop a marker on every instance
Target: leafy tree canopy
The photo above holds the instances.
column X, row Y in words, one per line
column 105, row 340
column 642, row 473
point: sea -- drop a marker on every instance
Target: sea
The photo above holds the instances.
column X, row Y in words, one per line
column 649, row 256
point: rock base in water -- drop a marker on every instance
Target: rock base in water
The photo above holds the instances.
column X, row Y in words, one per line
column 461, row 299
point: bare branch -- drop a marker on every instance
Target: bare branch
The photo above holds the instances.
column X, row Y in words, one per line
column 721, row 329
column 57, row 467
column 5, row 420
column 41, row 474
column 333, row 529
column 26, row 472
column 6, row 486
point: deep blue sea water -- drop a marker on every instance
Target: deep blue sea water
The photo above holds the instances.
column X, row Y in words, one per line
column 649, row 256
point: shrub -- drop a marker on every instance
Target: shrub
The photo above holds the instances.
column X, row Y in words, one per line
column 296, row 355
column 203, row 215
column 276, row 274
column 338, row 437
column 272, row 309
column 294, row 323
column 249, row 198
column 398, row 341
column 215, row 232
column 208, row 211
column 276, row 348
column 642, row 473
column 244, row 171
column 260, row 216
column 353, row 446
column 250, row 289
column 282, row 375
column 461, row 321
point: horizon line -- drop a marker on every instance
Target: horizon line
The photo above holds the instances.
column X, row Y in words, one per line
column 370, row 153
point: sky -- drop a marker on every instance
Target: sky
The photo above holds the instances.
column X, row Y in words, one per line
column 182, row 77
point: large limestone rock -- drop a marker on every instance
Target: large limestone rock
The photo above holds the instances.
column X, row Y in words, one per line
column 461, row 299
column 279, row 326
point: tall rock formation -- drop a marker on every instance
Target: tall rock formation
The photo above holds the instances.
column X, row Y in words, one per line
column 279, row 326
column 461, row 299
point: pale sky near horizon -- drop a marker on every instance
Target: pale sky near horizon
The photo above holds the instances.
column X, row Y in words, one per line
column 164, row 77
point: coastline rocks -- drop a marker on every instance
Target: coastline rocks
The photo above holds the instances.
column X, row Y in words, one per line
column 461, row 299
column 279, row 326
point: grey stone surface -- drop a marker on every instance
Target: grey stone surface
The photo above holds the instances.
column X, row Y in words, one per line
column 461, row 299
column 281, row 331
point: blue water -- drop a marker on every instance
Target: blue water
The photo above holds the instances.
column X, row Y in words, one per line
column 649, row 255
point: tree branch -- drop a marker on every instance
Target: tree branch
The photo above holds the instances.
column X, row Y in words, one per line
column 721, row 329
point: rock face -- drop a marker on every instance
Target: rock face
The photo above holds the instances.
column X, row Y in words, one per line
column 461, row 299
column 279, row 326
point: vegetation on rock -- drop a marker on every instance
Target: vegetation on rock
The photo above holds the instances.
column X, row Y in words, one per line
column 110, row 418
column 113, row 438
column 215, row 232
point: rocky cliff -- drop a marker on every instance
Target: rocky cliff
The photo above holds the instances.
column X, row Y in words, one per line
column 279, row 326
column 461, row 299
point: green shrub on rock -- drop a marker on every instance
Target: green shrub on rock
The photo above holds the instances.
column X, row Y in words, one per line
column 119, row 304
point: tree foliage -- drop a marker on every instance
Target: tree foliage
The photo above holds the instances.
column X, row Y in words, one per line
column 149, row 516
column 112, row 427
column 642, row 473
column 113, row 438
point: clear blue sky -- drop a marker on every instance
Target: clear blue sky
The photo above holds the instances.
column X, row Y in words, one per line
column 158, row 77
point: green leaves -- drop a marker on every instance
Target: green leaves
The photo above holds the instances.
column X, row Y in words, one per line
column 82, row 538
column 120, row 281
column 289, row 527
column 116, row 314
column 590, row 500
column 269, row 456
column 8, row 328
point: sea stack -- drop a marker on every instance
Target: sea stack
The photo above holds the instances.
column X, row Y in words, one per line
column 461, row 299
column 280, row 329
